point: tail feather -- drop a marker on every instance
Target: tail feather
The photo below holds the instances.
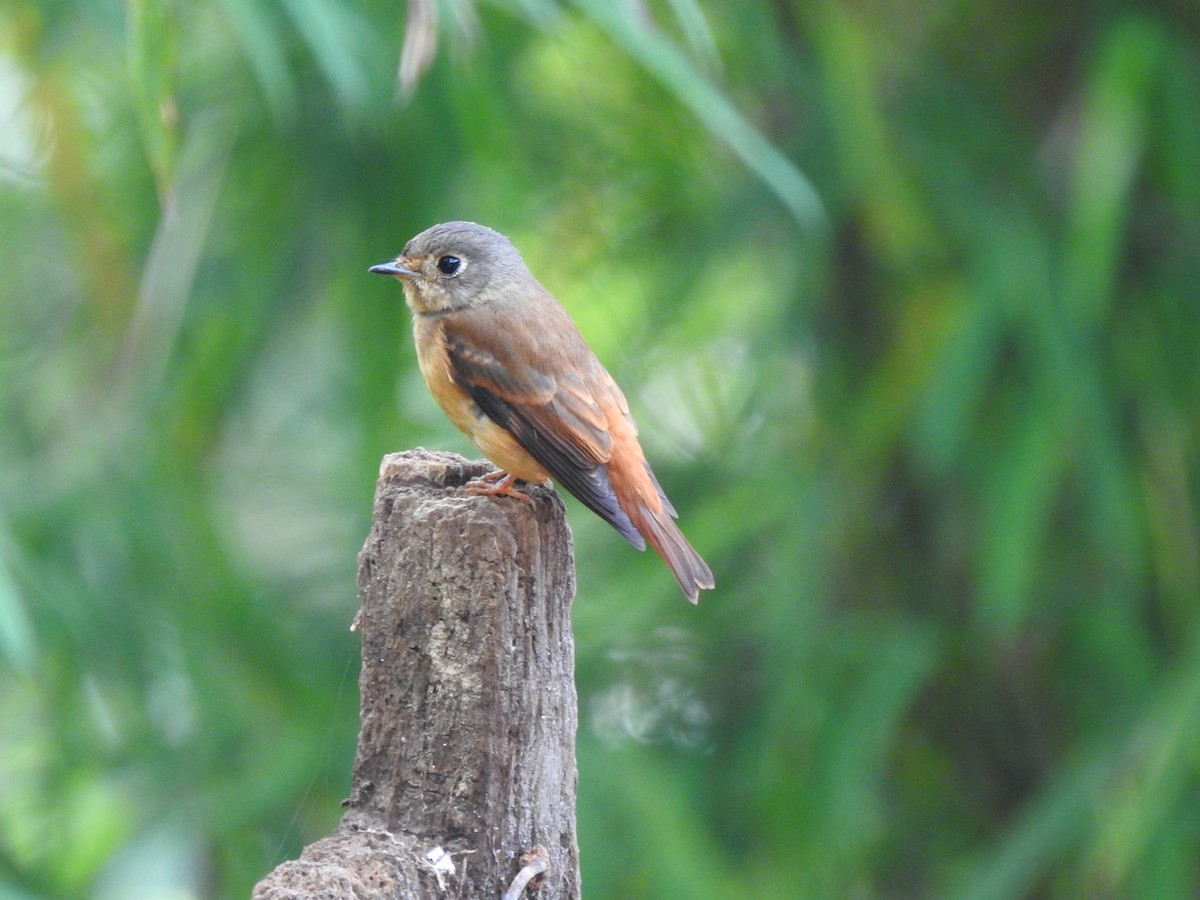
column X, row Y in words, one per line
column 642, row 499
column 661, row 533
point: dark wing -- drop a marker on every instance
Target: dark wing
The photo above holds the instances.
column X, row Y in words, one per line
column 551, row 394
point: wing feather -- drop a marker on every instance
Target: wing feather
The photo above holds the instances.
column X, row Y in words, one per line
column 556, row 416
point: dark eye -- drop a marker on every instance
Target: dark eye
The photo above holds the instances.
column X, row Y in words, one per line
column 449, row 265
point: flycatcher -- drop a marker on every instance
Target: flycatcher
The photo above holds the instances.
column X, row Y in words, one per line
column 508, row 366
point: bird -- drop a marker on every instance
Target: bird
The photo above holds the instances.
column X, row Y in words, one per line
column 509, row 367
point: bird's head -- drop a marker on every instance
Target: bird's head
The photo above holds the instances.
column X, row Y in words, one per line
column 454, row 266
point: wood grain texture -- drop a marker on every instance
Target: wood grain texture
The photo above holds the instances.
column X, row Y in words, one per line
column 468, row 720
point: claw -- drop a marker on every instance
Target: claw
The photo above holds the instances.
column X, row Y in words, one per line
column 497, row 484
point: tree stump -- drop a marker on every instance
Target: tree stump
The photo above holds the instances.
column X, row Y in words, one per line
column 466, row 753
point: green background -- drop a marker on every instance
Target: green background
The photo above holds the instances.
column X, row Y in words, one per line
column 903, row 295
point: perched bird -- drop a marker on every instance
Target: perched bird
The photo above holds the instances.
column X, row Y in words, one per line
column 508, row 366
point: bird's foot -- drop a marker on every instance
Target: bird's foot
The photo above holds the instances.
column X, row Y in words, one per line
column 497, row 484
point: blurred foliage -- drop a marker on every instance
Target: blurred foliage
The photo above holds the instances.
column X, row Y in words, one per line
column 903, row 295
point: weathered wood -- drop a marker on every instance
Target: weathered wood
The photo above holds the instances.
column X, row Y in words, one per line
column 467, row 738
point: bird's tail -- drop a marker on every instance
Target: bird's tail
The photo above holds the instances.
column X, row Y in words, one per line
column 661, row 533
column 652, row 514
column 642, row 499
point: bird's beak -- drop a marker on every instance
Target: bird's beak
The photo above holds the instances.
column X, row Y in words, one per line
column 391, row 268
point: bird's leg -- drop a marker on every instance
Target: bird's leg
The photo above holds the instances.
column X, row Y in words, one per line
column 497, row 484
column 490, row 478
